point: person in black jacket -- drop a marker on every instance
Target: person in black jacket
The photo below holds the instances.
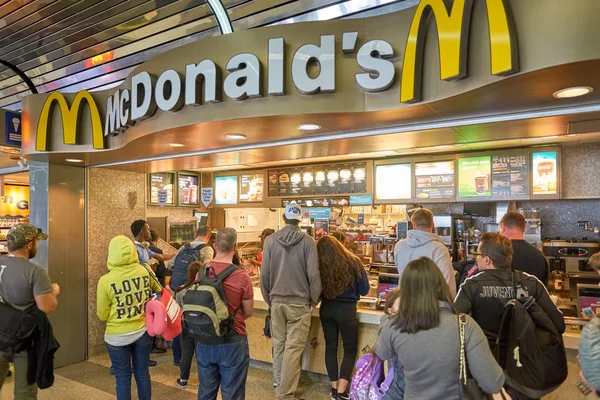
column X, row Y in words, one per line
column 344, row 280
column 484, row 294
column 526, row 257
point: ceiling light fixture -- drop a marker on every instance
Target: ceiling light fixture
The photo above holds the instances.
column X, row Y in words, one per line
column 73, row 160
column 235, row 136
column 9, row 180
column 176, row 144
column 550, row 137
column 571, row 92
column 309, row 127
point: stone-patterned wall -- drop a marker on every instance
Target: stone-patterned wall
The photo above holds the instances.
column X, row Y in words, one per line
column 580, row 166
column 115, row 199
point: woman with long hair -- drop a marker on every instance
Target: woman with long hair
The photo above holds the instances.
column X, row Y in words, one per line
column 344, row 280
column 187, row 343
column 424, row 337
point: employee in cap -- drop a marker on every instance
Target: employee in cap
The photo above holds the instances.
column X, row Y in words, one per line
column 290, row 282
column 23, row 285
column 265, row 233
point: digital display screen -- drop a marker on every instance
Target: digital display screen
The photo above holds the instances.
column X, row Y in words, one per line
column 393, row 182
column 226, row 190
column 545, row 175
column 474, row 177
column 434, row 180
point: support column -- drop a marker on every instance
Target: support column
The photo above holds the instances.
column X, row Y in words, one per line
column 57, row 205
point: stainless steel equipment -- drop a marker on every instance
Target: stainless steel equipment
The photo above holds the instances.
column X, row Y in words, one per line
column 574, row 254
column 174, row 231
column 533, row 231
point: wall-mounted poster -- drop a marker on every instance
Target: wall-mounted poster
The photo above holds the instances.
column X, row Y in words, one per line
column 162, row 181
column 273, row 183
column 251, row 187
column 359, row 178
column 510, row 175
column 474, row 177
column 434, row 180
column 188, row 190
column 393, row 182
column 545, row 174
column 226, row 190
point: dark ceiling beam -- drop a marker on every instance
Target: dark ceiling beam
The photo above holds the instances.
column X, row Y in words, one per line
column 21, row 75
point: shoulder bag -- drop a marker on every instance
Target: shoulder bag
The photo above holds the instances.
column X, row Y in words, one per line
column 163, row 314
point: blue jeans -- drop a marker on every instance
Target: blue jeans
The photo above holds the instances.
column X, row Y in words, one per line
column 225, row 365
column 176, row 347
column 122, row 357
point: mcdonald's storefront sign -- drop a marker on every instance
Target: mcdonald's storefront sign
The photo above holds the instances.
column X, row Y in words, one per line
column 199, row 83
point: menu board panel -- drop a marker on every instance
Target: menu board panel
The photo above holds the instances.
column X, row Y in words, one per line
column 545, row 176
column 359, row 178
column 510, row 174
column 284, row 182
column 345, row 178
column 393, row 182
column 296, row 182
column 333, row 179
column 320, row 184
column 308, row 180
column 273, row 183
column 434, row 180
column 251, row 187
column 188, row 190
column 474, row 176
column 162, row 181
column 226, row 190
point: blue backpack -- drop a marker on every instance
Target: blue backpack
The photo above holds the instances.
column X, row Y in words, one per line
column 184, row 258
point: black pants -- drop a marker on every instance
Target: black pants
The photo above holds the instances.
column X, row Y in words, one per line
column 336, row 318
column 188, row 347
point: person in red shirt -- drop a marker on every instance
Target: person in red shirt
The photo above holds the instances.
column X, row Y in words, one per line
column 265, row 233
column 226, row 365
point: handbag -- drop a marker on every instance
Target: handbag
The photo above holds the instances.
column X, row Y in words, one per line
column 163, row 314
column 267, row 328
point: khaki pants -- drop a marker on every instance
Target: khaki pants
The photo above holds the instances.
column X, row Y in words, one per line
column 22, row 391
column 290, row 324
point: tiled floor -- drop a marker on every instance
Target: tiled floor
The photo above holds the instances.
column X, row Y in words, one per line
column 91, row 380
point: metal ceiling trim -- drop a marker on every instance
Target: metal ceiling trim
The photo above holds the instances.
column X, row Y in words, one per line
column 222, row 16
column 62, row 29
column 16, row 7
column 385, row 9
column 455, row 123
column 33, row 13
column 23, row 30
column 22, row 75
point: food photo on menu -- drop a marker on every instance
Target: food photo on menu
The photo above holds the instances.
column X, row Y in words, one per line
column 226, row 190
column 544, row 173
column 474, row 177
column 252, row 188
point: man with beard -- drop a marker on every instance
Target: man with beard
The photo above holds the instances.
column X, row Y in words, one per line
column 24, row 285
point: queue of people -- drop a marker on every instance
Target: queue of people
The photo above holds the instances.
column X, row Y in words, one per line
column 440, row 344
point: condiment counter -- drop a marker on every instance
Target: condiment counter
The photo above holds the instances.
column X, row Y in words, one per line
column 313, row 358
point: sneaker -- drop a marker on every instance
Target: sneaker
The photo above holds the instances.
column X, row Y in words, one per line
column 343, row 396
column 152, row 363
column 333, row 394
column 275, row 384
column 181, row 383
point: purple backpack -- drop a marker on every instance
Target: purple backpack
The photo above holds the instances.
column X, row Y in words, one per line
column 369, row 381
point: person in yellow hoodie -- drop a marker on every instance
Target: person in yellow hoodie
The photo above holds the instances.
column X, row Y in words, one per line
column 121, row 302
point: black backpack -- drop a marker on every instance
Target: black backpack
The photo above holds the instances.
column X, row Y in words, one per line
column 205, row 315
column 535, row 353
column 184, row 258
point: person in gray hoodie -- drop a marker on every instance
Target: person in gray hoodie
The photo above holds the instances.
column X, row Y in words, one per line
column 291, row 285
column 422, row 242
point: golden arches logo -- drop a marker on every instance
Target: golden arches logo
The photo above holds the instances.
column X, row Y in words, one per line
column 453, row 24
column 70, row 117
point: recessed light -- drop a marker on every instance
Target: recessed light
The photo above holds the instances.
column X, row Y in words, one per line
column 235, row 136
column 73, row 160
column 575, row 91
column 176, row 144
column 9, row 180
column 550, row 137
column 309, row 127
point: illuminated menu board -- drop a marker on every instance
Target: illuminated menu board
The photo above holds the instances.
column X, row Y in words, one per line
column 510, row 175
column 273, row 183
column 434, row 180
column 308, row 181
column 359, row 178
column 188, row 190
column 320, row 186
column 226, row 190
column 545, row 175
column 162, row 181
column 474, row 176
column 393, row 182
column 345, row 184
column 251, row 187
column 296, row 182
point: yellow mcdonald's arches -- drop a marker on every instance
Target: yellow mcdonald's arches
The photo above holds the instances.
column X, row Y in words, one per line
column 453, row 31
column 70, row 117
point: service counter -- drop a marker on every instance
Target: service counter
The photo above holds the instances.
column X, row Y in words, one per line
column 313, row 359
